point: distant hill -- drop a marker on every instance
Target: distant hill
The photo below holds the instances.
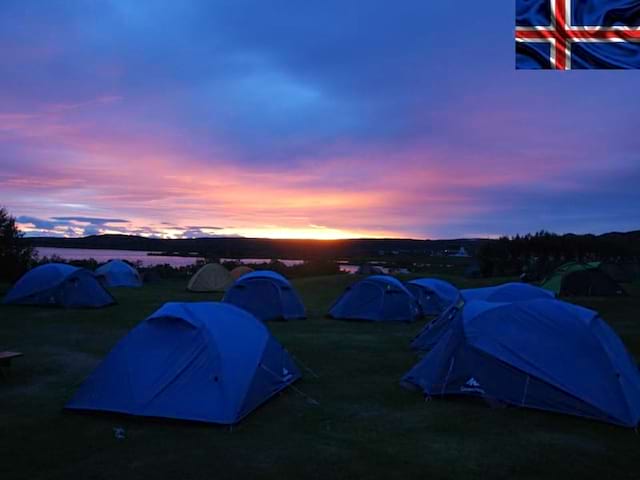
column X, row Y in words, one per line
column 360, row 248
column 234, row 247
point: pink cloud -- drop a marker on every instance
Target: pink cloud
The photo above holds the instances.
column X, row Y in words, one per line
column 349, row 190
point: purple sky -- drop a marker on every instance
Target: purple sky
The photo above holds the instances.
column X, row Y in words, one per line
column 320, row 119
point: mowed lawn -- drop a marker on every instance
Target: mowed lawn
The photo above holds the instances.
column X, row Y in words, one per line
column 364, row 425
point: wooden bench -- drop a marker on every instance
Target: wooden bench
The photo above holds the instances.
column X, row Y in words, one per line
column 5, row 360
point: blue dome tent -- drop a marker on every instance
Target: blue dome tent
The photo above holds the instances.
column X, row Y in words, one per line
column 378, row 298
column 205, row 361
column 58, row 284
column 117, row 273
column 434, row 296
column 543, row 354
column 267, row 295
column 508, row 292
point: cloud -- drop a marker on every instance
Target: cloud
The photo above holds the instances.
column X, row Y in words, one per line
column 84, row 226
column 91, row 220
column 39, row 223
column 204, row 228
column 69, row 226
column 190, row 232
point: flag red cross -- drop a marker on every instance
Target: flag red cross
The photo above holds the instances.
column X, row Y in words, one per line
column 561, row 34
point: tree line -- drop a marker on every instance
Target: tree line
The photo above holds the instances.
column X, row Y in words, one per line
column 538, row 254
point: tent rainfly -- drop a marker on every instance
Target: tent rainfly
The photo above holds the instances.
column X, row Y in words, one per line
column 506, row 293
column 58, row 284
column 211, row 277
column 203, row 361
column 117, row 273
column 544, row 354
column 267, row 295
column 584, row 280
column 378, row 298
column 434, row 296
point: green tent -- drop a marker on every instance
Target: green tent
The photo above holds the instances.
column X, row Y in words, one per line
column 582, row 279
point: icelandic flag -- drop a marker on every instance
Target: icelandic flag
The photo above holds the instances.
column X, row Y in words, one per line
column 577, row 34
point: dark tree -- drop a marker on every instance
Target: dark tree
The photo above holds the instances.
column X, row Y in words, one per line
column 540, row 253
column 16, row 256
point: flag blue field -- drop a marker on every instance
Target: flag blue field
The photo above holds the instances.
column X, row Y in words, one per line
column 577, row 34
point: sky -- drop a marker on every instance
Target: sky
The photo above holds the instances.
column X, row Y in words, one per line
column 303, row 119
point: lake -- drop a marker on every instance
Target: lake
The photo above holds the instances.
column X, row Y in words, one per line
column 146, row 260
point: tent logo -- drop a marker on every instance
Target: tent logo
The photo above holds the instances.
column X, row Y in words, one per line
column 472, row 385
column 472, row 382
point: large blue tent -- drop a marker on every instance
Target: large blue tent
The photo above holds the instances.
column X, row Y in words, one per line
column 543, row 354
column 205, row 361
column 117, row 273
column 267, row 295
column 378, row 298
column 58, row 284
column 507, row 292
column 434, row 296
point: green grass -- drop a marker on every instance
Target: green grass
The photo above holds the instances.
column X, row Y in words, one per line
column 365, row 426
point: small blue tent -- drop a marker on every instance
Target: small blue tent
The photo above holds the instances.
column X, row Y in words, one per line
column 58, row 284
column 378, row 298
column 434, row 296
column 117, row 273
column 543, row 354
column 206, row 361
column 267, row 295
column 508, row 292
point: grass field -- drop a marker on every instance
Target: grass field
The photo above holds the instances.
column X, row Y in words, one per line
column 365, row 425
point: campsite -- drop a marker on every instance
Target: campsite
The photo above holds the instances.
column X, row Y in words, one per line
column 251, row 239
column 348, row 416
